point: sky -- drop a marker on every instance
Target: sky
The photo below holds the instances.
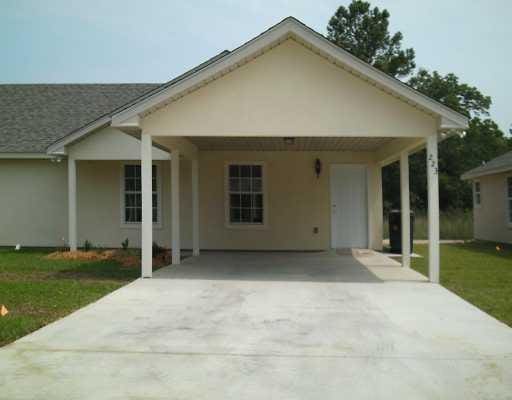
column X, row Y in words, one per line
column 85, row 41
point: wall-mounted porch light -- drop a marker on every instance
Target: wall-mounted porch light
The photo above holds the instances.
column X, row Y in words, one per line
column 318, row 167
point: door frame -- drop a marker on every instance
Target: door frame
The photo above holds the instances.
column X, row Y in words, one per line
column 331, row 216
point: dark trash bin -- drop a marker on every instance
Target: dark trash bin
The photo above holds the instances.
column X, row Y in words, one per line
column 395, row 230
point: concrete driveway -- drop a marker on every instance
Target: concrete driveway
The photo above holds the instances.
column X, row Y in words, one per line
column 268, row 326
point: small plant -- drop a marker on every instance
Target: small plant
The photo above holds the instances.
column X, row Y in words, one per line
column 125, row 243
column 88, row 245
column 157, row 249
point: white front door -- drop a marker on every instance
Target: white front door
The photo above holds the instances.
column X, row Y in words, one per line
column 349, row 206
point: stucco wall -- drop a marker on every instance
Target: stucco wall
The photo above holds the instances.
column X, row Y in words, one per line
column 34, row 209
column 297, row 201
column 490, row 219
column 33, row 202
column 289, row 91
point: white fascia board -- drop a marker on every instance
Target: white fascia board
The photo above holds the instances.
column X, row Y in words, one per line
column 291, row 26
column 58, row 146
column 477, row 174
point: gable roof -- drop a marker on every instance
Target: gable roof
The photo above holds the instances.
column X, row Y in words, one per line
column 499, row 164
column 34, row 116
column 291, row 27
column 47, row 117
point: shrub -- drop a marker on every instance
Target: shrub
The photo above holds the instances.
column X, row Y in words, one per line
column 125, row 243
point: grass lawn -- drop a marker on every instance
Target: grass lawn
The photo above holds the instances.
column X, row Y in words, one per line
column 477, row 272
column 37, row 291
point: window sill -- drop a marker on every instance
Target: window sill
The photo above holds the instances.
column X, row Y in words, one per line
column 249, row 227
column 137, row 225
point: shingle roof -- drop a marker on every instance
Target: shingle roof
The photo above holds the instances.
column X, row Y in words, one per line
column 34, row 116
column 499, row 164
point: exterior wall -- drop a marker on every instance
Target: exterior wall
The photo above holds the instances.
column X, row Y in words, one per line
column 34, row 209
column 99, row 205
column 297, row 201
column 33, row 202
column 490, row 218
column 289, row 91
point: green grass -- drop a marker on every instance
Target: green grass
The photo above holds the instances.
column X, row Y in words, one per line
column 37, row 291
column 477, row 272
column 453, row 225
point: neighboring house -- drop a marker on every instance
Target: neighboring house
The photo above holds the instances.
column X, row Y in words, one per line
column 492, row 199
column 276, row 145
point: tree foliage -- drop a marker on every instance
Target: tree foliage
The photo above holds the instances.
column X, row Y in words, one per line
column 365, row 33
column 457, row 154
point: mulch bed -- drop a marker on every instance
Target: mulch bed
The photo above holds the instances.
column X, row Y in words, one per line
column 124, row 257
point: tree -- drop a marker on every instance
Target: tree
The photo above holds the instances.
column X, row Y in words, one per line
column 482, row 142
column 448, row 90
column 365, row 33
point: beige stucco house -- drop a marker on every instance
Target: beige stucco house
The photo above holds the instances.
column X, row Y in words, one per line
column 276, row 145
column 492, row 199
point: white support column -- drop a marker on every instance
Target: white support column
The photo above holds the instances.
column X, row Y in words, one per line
column 405, row 208
column 175, row 200
column 72, row 229
column 195, row 207
column 146, row 163
column 433, row 209
column 375, row 212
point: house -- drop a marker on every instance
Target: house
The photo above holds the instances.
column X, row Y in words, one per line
column 276, row 145
column 492, row 199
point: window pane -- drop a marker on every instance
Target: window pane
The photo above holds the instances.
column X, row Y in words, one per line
column 155, row 214
column 234, row 215
column 256, row 171
column 129, row 171
column 257, row 185
column 245, row 171
column 138, row 214
column 246, row 215
column 234, row 171
column 130, row 200
column 257, row 200
column 510, row 210
column 245, row 185
column 509, row 184
column 257, row 215
column 137, row 185
column 234, row 185
column 130, row 184
column 155, row 200
column 234, row 200
column 246, row 200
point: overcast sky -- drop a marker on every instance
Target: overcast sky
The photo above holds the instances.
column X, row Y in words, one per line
column 55, row 41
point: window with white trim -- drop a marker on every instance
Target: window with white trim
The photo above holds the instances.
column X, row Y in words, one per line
column 477, row 195
column 245, row 194
column 509, row 198
column 132, row 205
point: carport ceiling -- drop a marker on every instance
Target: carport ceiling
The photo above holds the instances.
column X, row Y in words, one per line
column 289, row 144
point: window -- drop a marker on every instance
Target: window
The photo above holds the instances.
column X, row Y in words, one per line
column 245, row 194
column 509, row 199
column 132, row 206
column 477, row 196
